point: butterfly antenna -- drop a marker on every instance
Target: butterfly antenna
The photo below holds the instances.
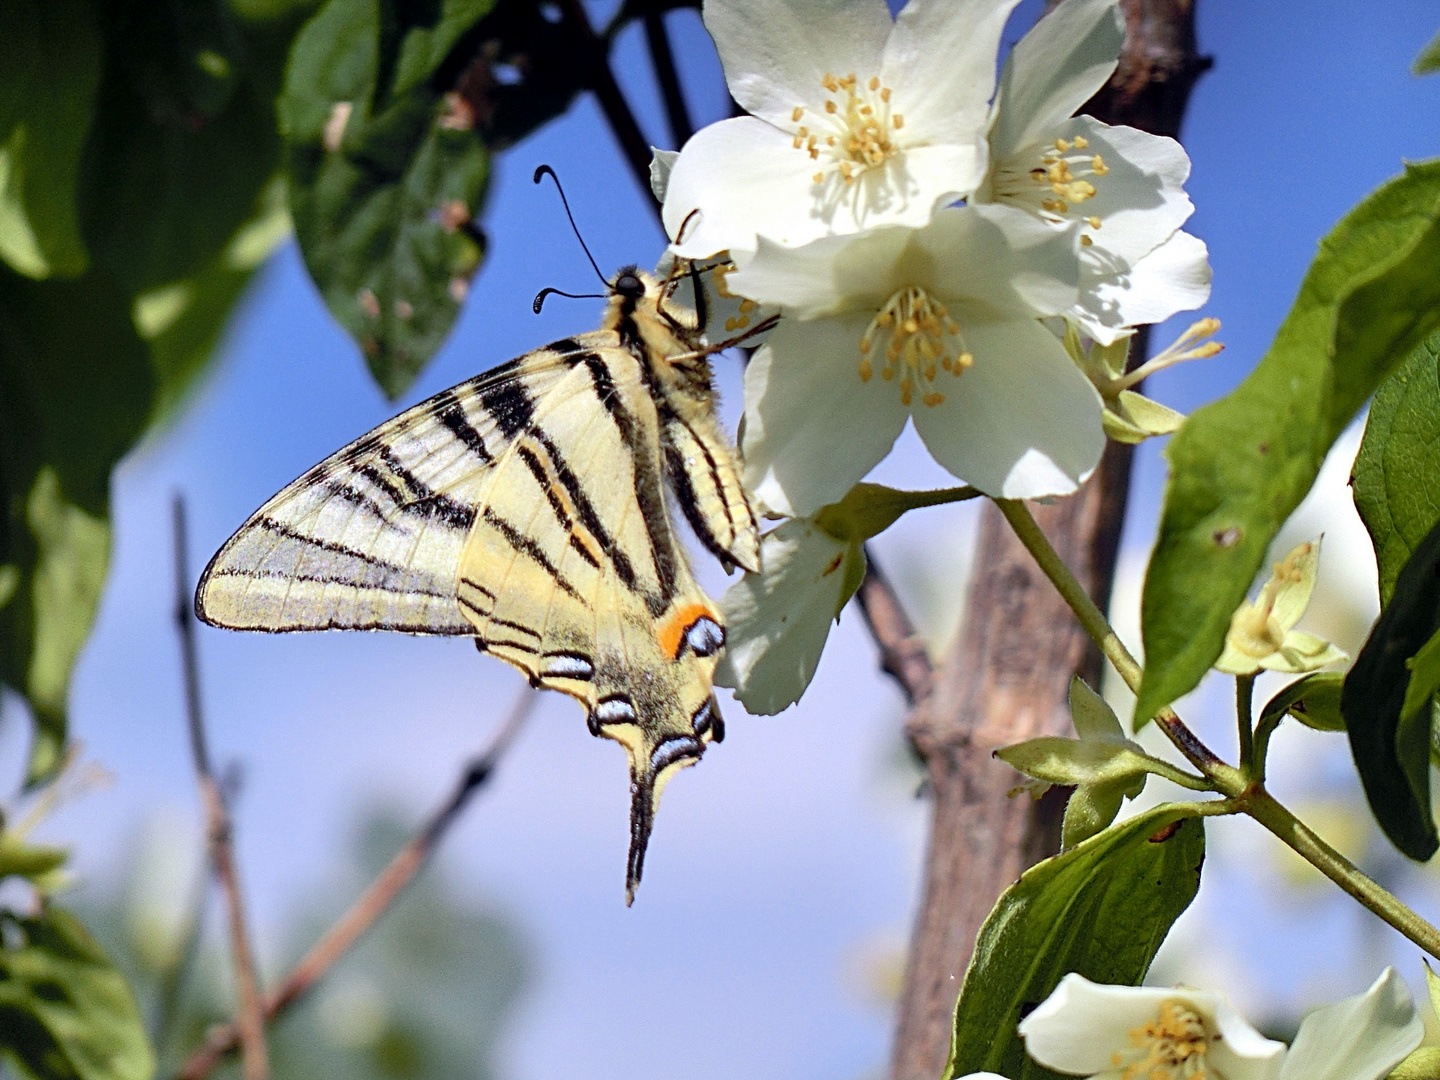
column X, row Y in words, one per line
column 546, row 170
column 543, row 293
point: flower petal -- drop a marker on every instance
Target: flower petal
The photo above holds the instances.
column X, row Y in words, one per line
column 1303, row 652
column 825, row 277
column 775, row 52
column 745, row 178
column 1011, row 249
column 1296, row 573
column 1140, row 200
column 1082, row 1025
column 1023, row 422
column 1235, row 661
column 940, row 62
column 1054, row 69
column 777, row 621
column 1174, row 277
column 812, row 428
column 1359, row 1038
column 662, row 163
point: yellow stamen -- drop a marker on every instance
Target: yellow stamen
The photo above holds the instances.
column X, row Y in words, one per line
column 1080, row 141
column 1172, row 1046
column 913, row 327
column 799, row 112
column 898, row 121
column 874, row 83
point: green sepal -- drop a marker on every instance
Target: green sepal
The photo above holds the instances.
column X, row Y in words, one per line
column 869, row 509
column 1313, row 700
column 1429, row 59
column 1100, row 909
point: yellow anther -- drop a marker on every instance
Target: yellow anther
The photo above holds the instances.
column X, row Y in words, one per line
column 905, row 391
column 933, row 398
column 866, row 371
column 797, row 142
column 874, row 83
column 799, row 112
column 1093, row 222
column 803, row 132
column 898, row 121
column 742, row 322
column 888, row 374
column 747, row 305
column 818, row 177
column 830, row 106
column 963, row 361
column 1097, row 163
column 829, row 83
column 1081, row 142
column 866, row 344
column 885, row 94
column 1085, row 241
column 731, row 325
column 1061, row 145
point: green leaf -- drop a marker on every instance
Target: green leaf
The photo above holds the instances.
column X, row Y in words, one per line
column 65, row 1012
column 50, row 57
column 1429, row 58
column 1313, row 700
column 1391, row 747
column 181, row 149
column 75, row 394
column 1101, row 909
column 1240, row 465
column 1399, row 459
column 385, row 171
column 1424, row 677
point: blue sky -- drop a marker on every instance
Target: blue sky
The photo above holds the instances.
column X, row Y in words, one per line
column 787, row 862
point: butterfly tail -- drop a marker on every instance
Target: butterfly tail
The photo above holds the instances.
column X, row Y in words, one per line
column 642, row 819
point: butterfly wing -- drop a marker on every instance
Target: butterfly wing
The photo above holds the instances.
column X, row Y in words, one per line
column 370, row 538
column 574, row 574
column 524, row 508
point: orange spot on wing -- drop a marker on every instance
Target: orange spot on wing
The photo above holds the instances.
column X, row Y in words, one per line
column 670, row 630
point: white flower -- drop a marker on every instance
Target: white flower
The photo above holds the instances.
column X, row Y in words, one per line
column 1124, row 187
column 1262, row 632
column 1153, row 1033
column 938, row 325
column 1146, row 1033
column 854, row 121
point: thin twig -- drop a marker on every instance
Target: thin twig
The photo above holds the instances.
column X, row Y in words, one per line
column 633, row 143
column 677, row 114
column 374, row 901
column 249, row 1017
column 902, row 651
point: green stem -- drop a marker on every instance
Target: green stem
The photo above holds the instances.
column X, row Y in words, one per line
column 1180, row 777
column 1245, row 719
column 1243, row 793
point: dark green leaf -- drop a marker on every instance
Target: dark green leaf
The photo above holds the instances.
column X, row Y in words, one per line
column 65, row 1013
column 50, row 61
column 1240, row 465
column 1313, row 700
column 1424, row 677
column 1429, row 58
column 1101, row 909
column 75, row 394
column 386, row 171
column 1391, row 747
column 182, row 149
column 1394, row 481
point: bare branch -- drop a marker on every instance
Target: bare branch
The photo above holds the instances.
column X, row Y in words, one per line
column 249, row 1019
column 902, row 652
column 617, row 112
column 663, row 59
column 375, row 900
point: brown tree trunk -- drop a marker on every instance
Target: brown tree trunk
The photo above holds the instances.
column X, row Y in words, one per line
column 1005, row 679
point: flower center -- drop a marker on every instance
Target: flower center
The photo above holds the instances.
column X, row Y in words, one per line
column 1061, row 182
column 855, row 132
column 911, row 335
column 1172, row 1046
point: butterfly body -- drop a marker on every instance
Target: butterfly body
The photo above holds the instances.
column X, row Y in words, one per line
column 527, row 508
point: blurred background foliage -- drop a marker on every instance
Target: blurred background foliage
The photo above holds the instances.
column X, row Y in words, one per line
column 153, row 153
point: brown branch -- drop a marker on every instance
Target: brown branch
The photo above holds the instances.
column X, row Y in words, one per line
column 249, row 1020
column 374, row 901
column 1006, row 676
column 677, row 115
column 633, row 144
column 902, row 650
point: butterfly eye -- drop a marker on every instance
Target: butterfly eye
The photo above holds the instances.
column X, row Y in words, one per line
column 705, row 636
column 629, row 286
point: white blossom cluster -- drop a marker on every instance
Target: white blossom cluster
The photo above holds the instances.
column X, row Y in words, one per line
column 929, row 239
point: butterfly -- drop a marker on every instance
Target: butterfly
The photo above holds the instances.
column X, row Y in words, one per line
column 526, row 508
